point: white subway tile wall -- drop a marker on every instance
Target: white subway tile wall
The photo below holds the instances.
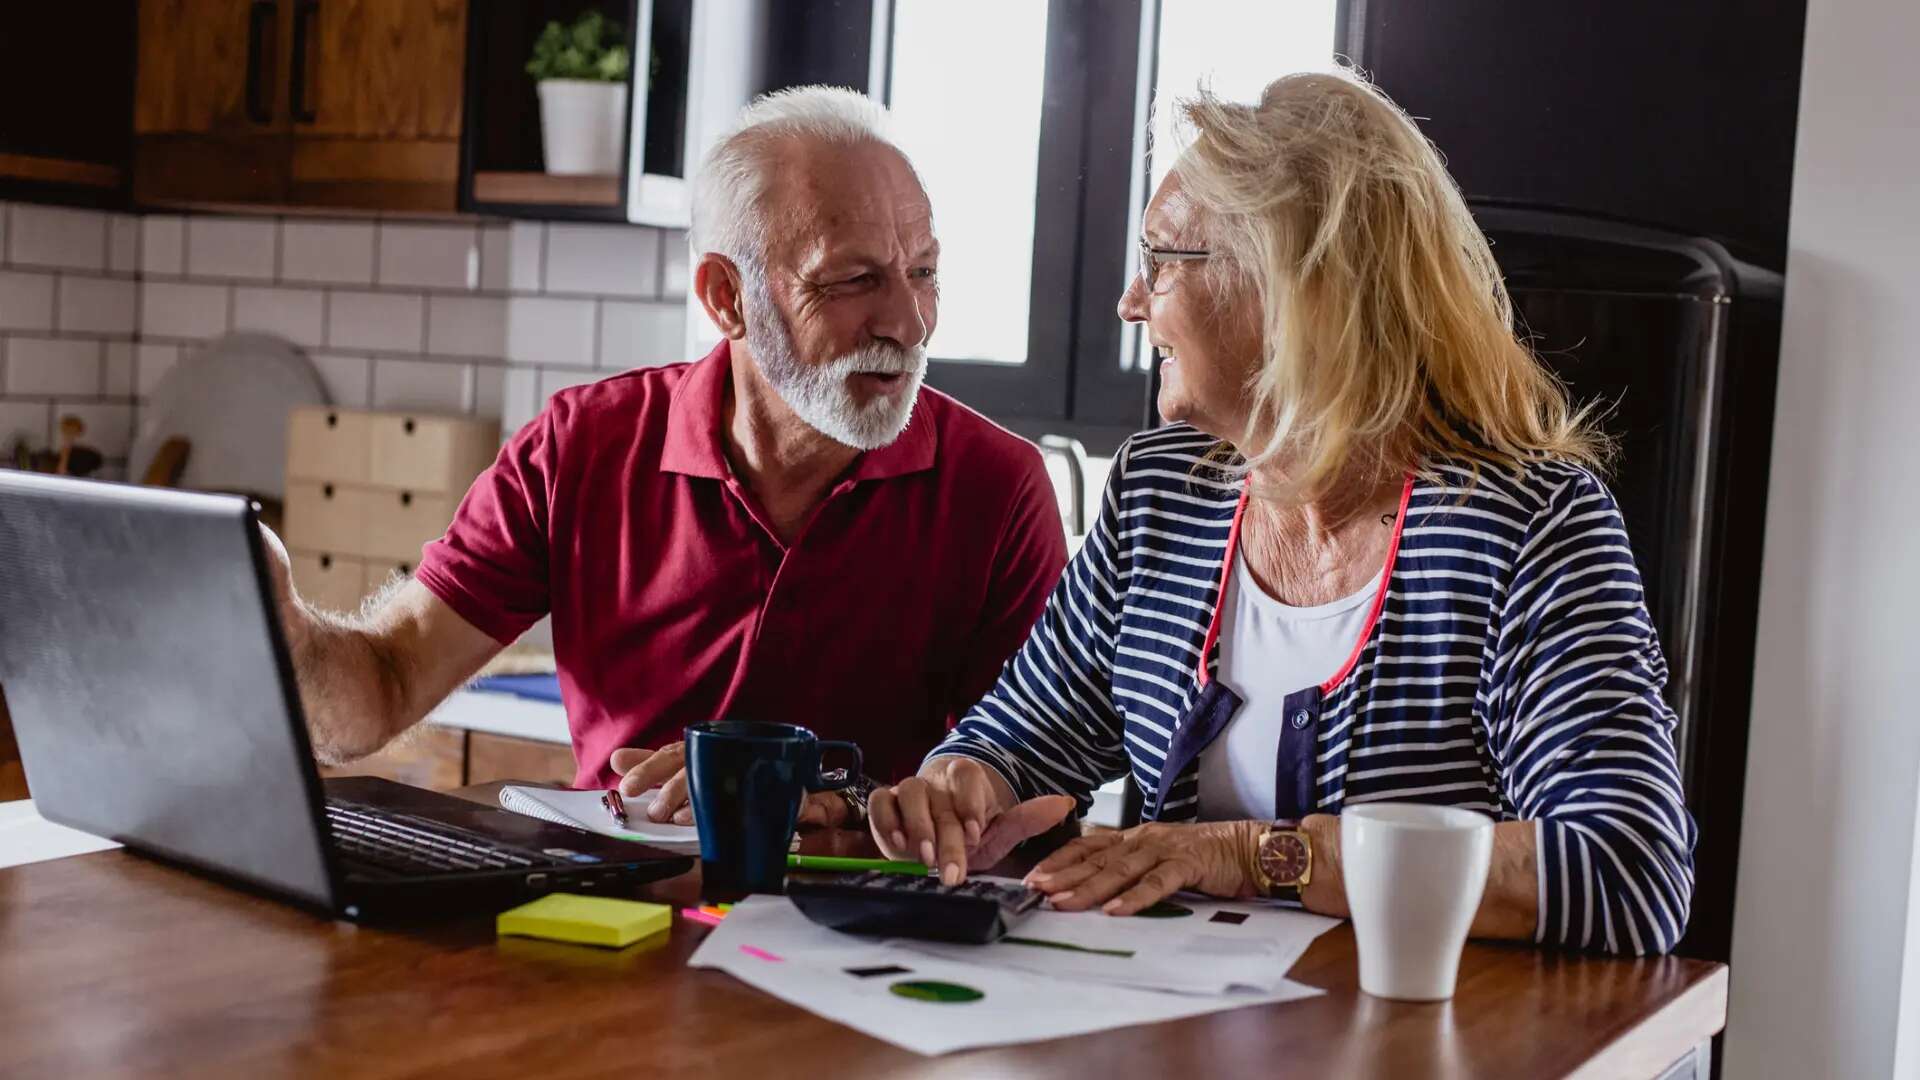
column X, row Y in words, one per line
column 593, row 259
column 486, row 319
column 26, row 300
column 53, row 366
column 57, row 237
column 123, row 243
column 30, row 421
column 150, row 362
column 93, row 305
column 348, row 379
column 427, row 385
column 295, row 314
column 641, row 334
column 178, row 309
column 163, row 244
column 429, row 256
column 329, row 252
column 395, row 322
column 119, row 380
column 467, row 325
column 549, row 330
column 222, row 247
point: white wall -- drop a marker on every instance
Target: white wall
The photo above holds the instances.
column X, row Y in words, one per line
column 1827, row 849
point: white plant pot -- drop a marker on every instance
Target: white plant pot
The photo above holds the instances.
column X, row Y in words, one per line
column 582, row 126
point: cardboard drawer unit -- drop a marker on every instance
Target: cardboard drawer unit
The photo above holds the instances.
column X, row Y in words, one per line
column 334, row 582
column 365, row 490
column 328, row 444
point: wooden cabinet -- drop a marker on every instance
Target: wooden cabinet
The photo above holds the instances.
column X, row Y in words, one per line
column 351, row 103
column 443, row 758
column 13, row 776
column 66, row 75
column 501, row 757
column 428, row 756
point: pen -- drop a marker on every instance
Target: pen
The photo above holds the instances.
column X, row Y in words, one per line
column 616, row 809
column 836, row 862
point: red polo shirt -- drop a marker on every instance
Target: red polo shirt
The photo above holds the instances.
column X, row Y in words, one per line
column 616, row 511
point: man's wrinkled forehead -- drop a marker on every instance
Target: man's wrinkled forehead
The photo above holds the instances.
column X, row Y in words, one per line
column 823, row 196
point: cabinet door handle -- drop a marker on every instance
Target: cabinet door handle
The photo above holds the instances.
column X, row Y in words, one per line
column 260, row 34
column 303, row 16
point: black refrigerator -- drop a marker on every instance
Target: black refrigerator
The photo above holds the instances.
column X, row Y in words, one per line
column 1681, row 342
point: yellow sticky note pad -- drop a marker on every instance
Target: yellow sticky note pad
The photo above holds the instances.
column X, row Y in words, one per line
column 587, row 920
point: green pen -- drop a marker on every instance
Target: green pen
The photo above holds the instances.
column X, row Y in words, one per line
column 836, row 862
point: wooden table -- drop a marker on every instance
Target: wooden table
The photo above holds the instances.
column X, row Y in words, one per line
column 114, row 964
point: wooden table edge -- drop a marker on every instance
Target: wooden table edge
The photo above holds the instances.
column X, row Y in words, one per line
column 1652, row 1046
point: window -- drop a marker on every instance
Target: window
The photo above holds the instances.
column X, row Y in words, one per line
column 978, row 153
column 1028, row 122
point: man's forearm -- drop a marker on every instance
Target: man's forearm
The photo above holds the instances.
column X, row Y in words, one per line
column 352, row 692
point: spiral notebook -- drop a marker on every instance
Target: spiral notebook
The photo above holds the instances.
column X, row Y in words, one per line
column 582, row 810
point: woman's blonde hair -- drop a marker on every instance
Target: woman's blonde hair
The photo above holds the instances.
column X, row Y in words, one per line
column 1387, row 330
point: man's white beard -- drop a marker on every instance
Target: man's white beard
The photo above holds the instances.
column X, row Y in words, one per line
column 820, row 394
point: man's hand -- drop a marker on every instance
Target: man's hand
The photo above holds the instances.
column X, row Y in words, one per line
column 957, row 813
column 643, row 770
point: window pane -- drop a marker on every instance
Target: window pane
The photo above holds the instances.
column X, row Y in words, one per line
column 967, row 83
column 1237, row 47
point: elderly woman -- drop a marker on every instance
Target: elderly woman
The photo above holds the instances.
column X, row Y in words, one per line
column 1369, row 559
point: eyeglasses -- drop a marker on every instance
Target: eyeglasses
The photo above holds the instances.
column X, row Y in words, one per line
column 1152, row 257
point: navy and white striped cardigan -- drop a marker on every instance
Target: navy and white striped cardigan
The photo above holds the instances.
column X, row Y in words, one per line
column 1511, row 669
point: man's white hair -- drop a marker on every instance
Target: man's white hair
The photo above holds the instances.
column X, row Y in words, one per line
column 727, row 213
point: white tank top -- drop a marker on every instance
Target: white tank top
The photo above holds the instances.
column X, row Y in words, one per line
column 1269, row 650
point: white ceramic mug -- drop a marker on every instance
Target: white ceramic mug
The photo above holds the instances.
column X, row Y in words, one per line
column 1414, row 877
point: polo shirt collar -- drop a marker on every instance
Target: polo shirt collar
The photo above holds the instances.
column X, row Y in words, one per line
column 693, row 429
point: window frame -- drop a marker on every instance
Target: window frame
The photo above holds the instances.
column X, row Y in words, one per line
column 1091, row 192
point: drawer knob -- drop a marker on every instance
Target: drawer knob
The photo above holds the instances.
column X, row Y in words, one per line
column 407, row 425
column 406, row 498
column 326, row 562
column 333, row 419
column 326, row 491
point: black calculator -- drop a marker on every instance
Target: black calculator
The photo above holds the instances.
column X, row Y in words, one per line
column 907, row 905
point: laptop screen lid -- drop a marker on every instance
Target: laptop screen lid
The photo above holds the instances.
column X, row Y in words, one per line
column 143, row 662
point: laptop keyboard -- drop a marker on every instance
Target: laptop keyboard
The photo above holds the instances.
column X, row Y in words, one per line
column 412, row 845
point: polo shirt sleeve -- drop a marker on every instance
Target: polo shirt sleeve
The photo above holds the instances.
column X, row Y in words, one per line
column 1583, row 736
column 491, row 566
column 1031, row 552
column 1049, row 725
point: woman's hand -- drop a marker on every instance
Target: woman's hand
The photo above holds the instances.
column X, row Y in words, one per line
column 1124, row 872
column 643, row 770
column 958, row 813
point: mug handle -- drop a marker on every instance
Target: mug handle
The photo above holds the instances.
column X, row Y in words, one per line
column 820, row 781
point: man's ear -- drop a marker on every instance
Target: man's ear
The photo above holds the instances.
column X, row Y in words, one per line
column 716, row 281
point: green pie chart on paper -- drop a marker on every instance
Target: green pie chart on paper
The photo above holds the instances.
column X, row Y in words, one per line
column 1165, row 909
column 944, row 993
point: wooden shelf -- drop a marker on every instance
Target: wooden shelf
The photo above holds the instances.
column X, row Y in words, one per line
column 545, row 189
column 58, row 171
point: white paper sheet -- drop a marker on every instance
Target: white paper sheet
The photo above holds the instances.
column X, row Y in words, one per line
column 1222, row 945
column 582, row 810
column 26, row 837
column 766, row 943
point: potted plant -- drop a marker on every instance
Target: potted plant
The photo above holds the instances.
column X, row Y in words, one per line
column 582, row 76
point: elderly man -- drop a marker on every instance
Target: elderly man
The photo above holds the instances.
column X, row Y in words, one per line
column 789, row 529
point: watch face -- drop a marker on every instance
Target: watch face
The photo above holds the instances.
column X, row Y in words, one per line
column 1283, row 857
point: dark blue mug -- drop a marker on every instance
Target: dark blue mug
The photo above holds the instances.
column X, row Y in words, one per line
column 746, row 781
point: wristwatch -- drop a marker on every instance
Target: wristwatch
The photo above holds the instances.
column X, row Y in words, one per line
column 1283, row 860
column 856, row 794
